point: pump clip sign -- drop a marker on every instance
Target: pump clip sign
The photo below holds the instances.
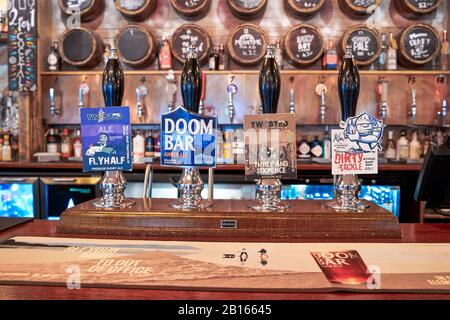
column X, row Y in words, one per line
column 188, row 139
column 355, row 146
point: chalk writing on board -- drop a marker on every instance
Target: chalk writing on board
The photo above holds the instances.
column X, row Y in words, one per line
column 248, row 44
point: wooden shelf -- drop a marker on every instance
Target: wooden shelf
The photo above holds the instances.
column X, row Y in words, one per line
column 244, row 72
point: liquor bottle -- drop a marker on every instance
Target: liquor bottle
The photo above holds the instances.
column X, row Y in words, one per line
column 219, row 147
column 426, row 143
column 156, row 143
column 382, row 58
column 149, row 144
column 191, row 82
column 2, row 21
column 228, row 147
column 212, row 60
column 440, row 137
column 113, row 80
column 77, row 146
column 66, row 145
column 1, row 146
column 165, row 55
column 5, row 26
column 391, row 152
column 6, row 149
column 15, row 147
column 445, row 52
column 304, row 149
column 402, row 146
column 239, row 147
column 279, row 54
column 316, row 148
column 269, row 82
column 331, row 57
column 223, row 58
column 348, row 86
column 391, row 63
column 53, row 141
column 414, row 147
column 139, row 148
column 326, row 142
column 53, row 59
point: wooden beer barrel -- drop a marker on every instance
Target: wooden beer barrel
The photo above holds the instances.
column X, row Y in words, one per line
column 191, row 9
column 247, row 44
column 136, row 10
column 81, row 47
column 187, row 35
column 365, row 43
column 418, row 44
column 303, row 45
column 359, row 7
column 303, row 8
column 417, row 8
column 88, row 9
column 136, row 45
column 247, row 9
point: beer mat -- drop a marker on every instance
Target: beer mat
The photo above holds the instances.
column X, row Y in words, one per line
column 226, row 266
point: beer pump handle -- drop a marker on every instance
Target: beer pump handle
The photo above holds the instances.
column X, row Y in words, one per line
column 348, row 85
column 269, row 82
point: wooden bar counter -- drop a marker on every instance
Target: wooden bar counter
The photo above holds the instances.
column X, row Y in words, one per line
column 412, row 233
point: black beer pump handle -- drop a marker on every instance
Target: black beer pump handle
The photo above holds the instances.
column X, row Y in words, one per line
column 113, row 81
column 191, row 82
column 348, row 85
column 269, row 82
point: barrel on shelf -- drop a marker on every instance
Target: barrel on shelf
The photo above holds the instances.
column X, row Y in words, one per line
column 88, row 9
column 303, row 45
column 187, row 35
column 419, row 44
column 247, row 44
column 359, row 8
column 365, row 43
column 136, row 10
column 136, row 45
column 81, row 47
column 417, row 8
column 247, row 9
column 303, row 8
column 191, row 9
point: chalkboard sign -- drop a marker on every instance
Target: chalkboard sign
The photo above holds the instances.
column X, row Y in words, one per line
column 419, row 44
column 247, row 9
column 81, row 47
column 191, row 8
column 187, row 35
column 303, row 45
column 247, row 44
column 359, row 7
column 135, row 10
column 303, row 8
column 136, row 45
column 22, row 45
column 88, row 9
column 419, row 7
column 365, row 43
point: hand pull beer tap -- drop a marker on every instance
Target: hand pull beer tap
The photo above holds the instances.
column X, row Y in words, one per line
column 141, row 93
column 113, row 183
column 83, row 94
column 291, row 96
column 321, row 90
column 53, row 110
column 413, row 110
column 384, row 99
column 268, row 190
column 232, row 89
column 171, row 89
column 347, row 186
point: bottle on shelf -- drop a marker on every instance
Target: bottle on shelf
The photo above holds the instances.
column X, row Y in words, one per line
column 426, row 143
column 219, row 148
column 391, row 151
column 6, row 149
column 77, row 146
column 391, row 63
column 415, row 148
column 53, row 141
column 223, row 58
column 165, row 55
column 326, row 142
column 66, row 145
column 2, row 21
column 445, row 52
column 330, row 56
column 149, row 145
column 239, row 147
column 316, row 148
column 15, row 147
column 156, row 143
column 402, row 146
column 53, row 58
column 304, row 149
column 212, row 60
column 139, row 148
column 382, row 58
column 228, row 147
column 1, row 146
column 440, row 136
column 279, row 54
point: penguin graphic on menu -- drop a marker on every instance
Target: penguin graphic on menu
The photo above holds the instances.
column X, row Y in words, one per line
column 264, row 256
